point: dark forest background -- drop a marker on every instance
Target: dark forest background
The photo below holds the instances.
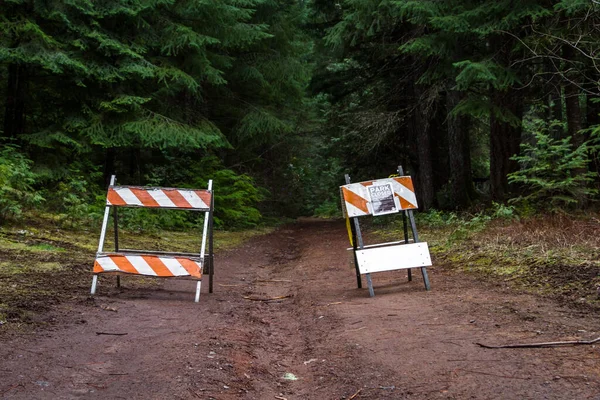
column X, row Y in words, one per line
column 487, row 104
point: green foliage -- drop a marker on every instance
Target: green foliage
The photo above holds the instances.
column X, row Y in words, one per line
column 154, row 221
column 138, row 74
column 463, row 226
column 439, row 219
column 261, row 127
column 145, row 89
column 504, row 211
column 394, row 64
column 436, row 218
column 16, row 183
column 132, row 86
column 459, row 226
column 236, row 195
column 155, row 131
column 553, row 172
column 75, row 199
column 328, row 209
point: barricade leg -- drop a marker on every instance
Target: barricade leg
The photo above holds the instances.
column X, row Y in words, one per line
column 211, row 251
column 205, row 234
column 354, row 241
column 370, row 284
column 358, row 278
column 102, row 236
column 425, row 278
column 94, row 282
column 116, row 229
column 400, row 171
column 413, row 226
column 197, row 299
column 405, row 224
column 359, row 244
column 211, row 274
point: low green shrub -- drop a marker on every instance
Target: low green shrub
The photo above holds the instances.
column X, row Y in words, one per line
column 16, row 183
column 554, row 174
column 328, row 209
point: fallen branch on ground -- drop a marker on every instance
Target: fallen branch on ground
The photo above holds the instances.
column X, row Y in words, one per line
column 355, row 394
column 543, row 344
column 110, row 333
column 268, row 298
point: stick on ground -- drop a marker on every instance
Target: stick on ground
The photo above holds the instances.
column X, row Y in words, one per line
column 542, row 344
column 267, row 299
column 110, row 333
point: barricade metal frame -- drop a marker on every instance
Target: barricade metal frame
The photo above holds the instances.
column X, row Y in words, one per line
column 157, row 263
column 404, row 254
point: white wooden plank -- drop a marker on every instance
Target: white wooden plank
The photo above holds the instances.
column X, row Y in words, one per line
column 391, row 258
column 368, row 246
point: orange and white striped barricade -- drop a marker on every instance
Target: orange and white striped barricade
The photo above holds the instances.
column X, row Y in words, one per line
column 157, row 263
column 380, row 197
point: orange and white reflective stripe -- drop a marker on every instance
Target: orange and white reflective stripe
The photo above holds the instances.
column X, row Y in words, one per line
column 148, row 265
column 356, row 200
column 158, row 197
column 405, row 192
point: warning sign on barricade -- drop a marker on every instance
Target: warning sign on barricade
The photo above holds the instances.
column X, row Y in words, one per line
column 381, row 197
column 156, row 263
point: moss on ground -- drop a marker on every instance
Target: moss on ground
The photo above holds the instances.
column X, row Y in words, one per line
column 557, row 256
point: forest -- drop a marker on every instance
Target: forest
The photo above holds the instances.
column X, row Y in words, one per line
column 491, row 106
column 485, row 103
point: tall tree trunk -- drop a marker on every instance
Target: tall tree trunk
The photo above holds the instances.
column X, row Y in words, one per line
column 593, row 119
column 461, row 183
column 134, row 165
column 574, row 113
column 109, row 165
column 592, row 111
column 14, row 111
column 439, row 137
column 424, row 174
column 556, row 110
column 505, row 139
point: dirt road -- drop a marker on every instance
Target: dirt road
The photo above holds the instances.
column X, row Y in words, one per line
column 325, row 339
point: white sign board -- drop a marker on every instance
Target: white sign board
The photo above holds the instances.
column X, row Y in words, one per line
column 390, row 258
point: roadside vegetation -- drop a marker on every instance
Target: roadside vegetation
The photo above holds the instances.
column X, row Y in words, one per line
column 554, row 255
column 43, row 264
